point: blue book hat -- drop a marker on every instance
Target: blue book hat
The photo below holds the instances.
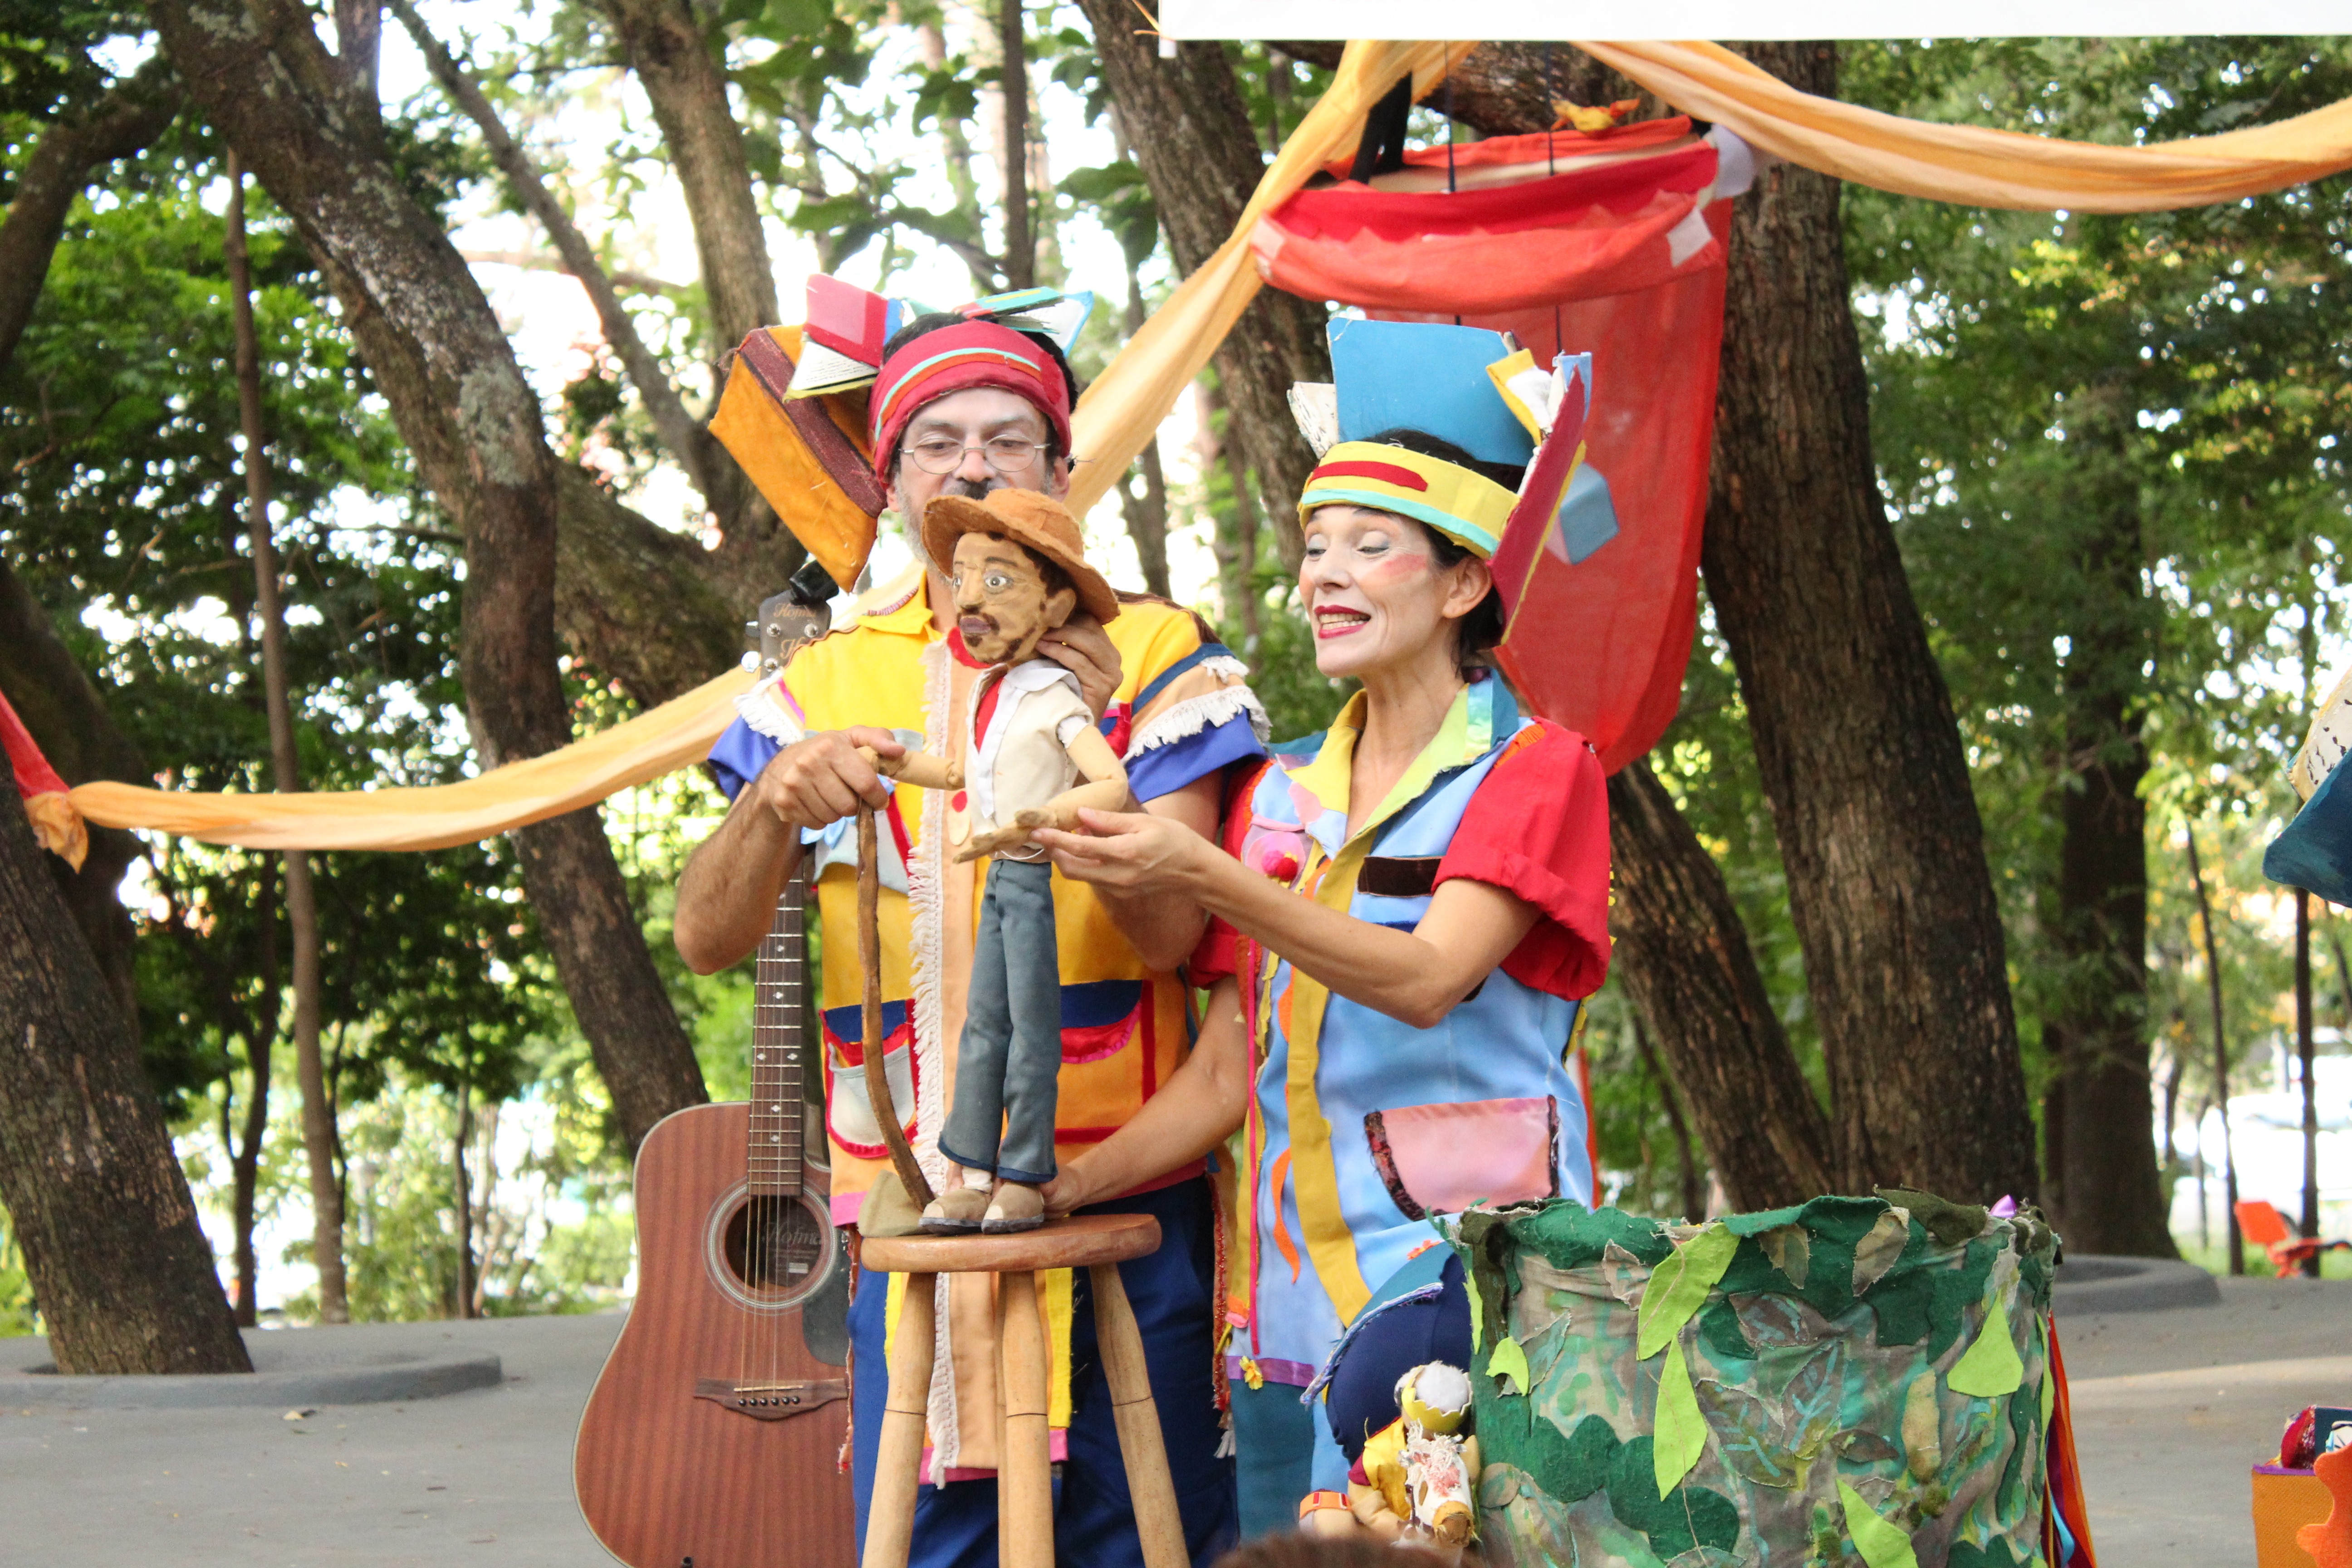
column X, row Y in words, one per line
column 1425, row 377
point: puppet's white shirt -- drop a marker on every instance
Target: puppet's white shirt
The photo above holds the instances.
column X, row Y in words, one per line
column 1022, row 759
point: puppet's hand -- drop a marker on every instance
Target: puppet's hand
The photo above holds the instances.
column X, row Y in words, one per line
column 990, row 843
column 1046, row 817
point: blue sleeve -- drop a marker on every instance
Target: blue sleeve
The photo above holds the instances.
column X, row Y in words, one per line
column 740, row 755
column 1164, row 770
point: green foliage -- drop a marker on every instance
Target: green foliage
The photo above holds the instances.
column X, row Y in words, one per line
column 16, row 1314
column 2048, row 390
column 49, row 64
column 1123, row 202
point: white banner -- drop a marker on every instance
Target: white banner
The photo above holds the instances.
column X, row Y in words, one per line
column 1412, row 20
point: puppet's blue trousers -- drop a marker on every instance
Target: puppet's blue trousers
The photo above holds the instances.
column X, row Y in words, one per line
column 1011, row 1054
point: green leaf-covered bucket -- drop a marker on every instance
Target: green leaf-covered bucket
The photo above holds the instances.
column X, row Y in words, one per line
column 1854, row 1380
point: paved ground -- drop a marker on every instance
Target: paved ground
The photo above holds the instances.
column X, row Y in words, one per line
column 2174, row 1406
column 477, row 1478
column 2172, row 1409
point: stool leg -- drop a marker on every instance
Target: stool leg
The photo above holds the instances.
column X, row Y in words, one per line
column 1024, row 1477
column 1149, row 1487
column 899, row 1462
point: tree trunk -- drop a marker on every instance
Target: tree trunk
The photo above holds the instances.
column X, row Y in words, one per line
column 1853, row 731
column 1233, row 538
column 2221, row 1064
column 686, row 80
column 464, row 1304
column 1198, row 149
column 1683, row 958
column 130, row 115
column 245, row 1170
column 449, row 376
column 486, row 1223
column 68, row 720
column 636, row 601
column 1013, row 95
column 2105, row 1193
column 2308, row 1227
column 301, row 899
column 121, row 1268
column 1693, row 1189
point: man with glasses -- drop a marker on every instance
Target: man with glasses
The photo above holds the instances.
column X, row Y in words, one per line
column 963, row 404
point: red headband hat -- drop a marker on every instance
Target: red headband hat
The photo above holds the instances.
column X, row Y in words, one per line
column 978, row 351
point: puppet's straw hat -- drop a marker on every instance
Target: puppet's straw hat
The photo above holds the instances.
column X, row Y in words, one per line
column 1037, row 521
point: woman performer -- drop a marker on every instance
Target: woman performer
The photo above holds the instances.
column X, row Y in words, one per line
column 1412, row 906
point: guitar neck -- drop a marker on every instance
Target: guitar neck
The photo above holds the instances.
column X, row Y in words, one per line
column 773, row 1163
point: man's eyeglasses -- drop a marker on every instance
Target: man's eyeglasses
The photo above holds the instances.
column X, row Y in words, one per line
column 944, row 454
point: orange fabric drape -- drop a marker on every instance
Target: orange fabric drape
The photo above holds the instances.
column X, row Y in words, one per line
column 658, row 741
column 1970, row 166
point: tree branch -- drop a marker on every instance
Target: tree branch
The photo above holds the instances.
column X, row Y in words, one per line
column 678, row 429
column 133, row 112
column 540, row 261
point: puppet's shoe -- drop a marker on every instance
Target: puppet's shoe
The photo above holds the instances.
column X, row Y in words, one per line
column 956, row 1212
column 1014, row 1207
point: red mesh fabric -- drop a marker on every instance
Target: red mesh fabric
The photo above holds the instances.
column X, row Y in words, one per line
column 1626, row 260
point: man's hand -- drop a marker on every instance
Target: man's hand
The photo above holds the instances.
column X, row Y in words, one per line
column 1080, row 645
column 820, row 779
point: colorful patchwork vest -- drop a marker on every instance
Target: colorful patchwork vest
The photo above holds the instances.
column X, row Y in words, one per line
column 1359, row 1127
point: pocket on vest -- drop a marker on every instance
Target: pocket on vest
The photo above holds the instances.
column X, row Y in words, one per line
column 1441, row 1159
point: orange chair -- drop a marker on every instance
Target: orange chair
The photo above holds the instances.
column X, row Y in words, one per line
column 2263, row 1224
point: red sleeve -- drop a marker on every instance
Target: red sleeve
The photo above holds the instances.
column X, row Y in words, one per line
column 1216, row 958
column 1539, row 827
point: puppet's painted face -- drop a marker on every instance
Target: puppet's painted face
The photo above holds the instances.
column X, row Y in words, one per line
column 1002, row 606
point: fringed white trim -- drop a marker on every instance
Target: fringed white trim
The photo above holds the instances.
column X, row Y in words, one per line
column 1195, row 714
column 762, row 715
column 927, row 935
column 1224, row 664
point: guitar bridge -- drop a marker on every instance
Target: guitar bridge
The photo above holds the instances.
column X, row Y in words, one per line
column 771, row 1401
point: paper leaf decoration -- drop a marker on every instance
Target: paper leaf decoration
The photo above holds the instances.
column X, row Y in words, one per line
column 1991, row 1367
column 1678, row 1287
column 1679, row 1430
column 1882, row 1545
column 1510, row 1361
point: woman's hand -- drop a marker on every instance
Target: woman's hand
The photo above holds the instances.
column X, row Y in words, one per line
column 1069, row 1189
column 1131, row 851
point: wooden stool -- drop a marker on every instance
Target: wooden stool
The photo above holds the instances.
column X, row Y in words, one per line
column 1024, row 1497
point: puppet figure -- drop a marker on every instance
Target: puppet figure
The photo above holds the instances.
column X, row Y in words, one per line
column 1418, row 1478
column 1018, row 568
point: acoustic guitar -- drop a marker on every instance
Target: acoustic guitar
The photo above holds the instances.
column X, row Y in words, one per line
column 714, row 1436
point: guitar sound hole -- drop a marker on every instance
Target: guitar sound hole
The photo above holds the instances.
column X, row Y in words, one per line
column 774, row 1245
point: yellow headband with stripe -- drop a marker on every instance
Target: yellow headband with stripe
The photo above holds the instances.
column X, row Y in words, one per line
column 1467, row 508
